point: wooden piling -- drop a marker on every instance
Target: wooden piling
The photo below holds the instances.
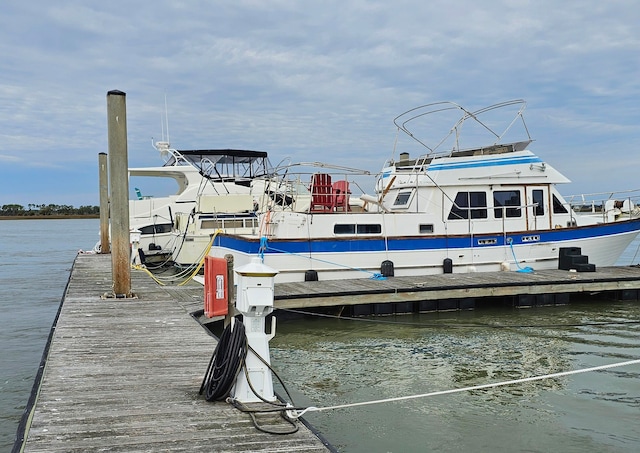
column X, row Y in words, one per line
column 103, row 182
column 119, row 188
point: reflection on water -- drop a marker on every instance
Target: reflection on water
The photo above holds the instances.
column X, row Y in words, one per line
column 326, row 362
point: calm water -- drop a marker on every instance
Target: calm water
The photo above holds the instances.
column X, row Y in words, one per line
column 327, row 362
column 37, row 256
column 333, row 362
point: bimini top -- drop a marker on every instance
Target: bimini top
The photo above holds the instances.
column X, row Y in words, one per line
column 230, row 155
column 221, row 163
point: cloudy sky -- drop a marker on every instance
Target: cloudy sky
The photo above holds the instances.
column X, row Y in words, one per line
column 308, row 80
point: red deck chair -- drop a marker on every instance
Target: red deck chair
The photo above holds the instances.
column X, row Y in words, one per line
column 321, row 193
column 341, row 195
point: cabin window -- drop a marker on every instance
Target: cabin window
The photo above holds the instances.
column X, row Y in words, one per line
column 558, row 207
column 230, row 222
column 504, row 198
column 373, row 228
column 344, row 228
column 538, row 200
column 402, row 199
column 350, row 228
column 426, row 228
column 469, row 205
column 156, row 229
column 210, row 224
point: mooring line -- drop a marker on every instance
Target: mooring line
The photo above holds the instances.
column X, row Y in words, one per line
column 466, row 389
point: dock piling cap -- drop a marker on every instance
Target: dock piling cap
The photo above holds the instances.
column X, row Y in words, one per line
column 256, row 268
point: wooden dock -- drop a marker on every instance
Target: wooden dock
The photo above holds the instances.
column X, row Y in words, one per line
column 123, row 375
column 452, row 291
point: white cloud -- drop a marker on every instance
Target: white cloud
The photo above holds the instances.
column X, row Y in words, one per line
column 300, row 79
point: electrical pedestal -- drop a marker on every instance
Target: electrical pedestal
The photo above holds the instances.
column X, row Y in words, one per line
column 255, row 301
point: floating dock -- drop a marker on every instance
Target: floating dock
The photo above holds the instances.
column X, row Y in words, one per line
column 123, row 375
column 458, row 291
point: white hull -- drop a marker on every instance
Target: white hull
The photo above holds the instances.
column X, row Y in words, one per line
column 601, row 251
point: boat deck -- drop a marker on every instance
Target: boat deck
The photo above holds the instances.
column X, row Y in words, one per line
column 123, row 375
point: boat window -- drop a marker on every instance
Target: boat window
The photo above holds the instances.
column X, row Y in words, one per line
column 228, row 223
column 342, row 228
column 233, row 223
column 156, row 229
column 210, row 224
column 426, row 228
column 503, row 198
column 469, row 205
column 558, row 207
column 402, row 200
column 538, row 200
column 350, row 228
column 373, row 228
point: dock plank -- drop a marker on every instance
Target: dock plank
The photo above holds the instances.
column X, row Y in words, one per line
column 123, row 375
column 327, row 293
column 452, row 286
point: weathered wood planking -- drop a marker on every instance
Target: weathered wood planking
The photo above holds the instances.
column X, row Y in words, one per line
column 123, row 375
column 452, row 286
column 436, row 287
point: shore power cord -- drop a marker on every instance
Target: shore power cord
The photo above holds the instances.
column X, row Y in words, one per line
column 226, row 364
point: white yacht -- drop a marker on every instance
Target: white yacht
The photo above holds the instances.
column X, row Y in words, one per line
column 219, row 176
column 461, row 209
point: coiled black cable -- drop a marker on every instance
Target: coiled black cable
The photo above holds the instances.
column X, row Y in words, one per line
column 226, row 362
column 225, row 365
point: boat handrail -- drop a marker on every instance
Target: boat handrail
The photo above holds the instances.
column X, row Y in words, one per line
column 603, row 201
column 402, row 123
column 293, row 183
column 589, row 197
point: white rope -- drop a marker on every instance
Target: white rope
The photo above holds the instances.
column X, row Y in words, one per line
column 466, row 389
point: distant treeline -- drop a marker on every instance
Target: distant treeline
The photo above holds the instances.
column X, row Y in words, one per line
column 39, row 210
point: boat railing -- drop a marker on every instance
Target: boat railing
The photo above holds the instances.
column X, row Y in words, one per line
column 611, row 205
column 315, row 187
column 481, row 118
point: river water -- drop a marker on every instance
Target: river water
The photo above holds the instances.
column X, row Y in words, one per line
column 326, row 362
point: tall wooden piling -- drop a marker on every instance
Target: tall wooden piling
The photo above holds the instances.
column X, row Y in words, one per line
column 103, row 176
column 119, row 188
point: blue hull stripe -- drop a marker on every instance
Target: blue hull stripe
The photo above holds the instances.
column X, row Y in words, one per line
column 346, row 245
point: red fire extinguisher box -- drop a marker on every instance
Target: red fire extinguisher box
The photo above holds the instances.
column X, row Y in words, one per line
column 216, row 291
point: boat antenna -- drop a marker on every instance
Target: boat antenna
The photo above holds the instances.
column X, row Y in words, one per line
column 162, row 128
column 166, row 116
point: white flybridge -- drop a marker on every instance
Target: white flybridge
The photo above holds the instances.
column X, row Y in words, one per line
column 219, row 178
column 460, row 209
